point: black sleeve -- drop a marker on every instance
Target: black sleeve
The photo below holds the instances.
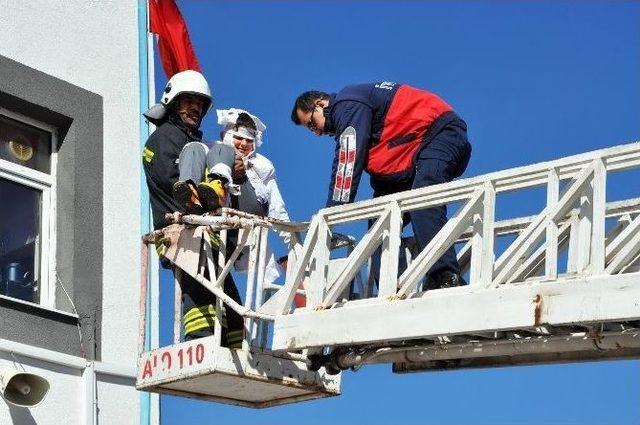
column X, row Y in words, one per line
column 160, row 157
column 159, row 162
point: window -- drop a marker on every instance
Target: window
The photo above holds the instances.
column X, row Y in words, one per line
column 27, row 209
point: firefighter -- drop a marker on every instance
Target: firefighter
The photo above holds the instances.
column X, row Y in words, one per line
column 185, row 101
column 405, row 138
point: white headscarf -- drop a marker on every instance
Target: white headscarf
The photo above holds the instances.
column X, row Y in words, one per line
column 227, row 118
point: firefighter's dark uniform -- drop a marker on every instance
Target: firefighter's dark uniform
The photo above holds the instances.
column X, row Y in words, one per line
column 406, row 138
column 160, row 161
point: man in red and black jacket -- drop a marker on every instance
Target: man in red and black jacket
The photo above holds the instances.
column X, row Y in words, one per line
column 405, row 138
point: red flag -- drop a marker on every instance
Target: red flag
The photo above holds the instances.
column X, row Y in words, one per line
column 174, row 45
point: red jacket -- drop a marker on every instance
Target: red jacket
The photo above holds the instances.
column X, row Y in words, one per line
column 391, row 123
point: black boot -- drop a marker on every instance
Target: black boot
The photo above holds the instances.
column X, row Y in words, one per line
column 186, row 194
column 444, row 279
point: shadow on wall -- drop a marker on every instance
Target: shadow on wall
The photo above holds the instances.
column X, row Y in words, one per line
column 20, row 415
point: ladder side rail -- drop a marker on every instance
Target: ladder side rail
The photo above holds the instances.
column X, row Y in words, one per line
column 624, row 159
column 615, row 158
column 511, row 183
column 515, row 225
column 625, row 206
column 464, row 310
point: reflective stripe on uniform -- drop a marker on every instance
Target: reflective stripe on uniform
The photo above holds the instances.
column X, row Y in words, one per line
column 198, row 318
column 234, row 339
column 208, row 310
column 160, row 248
column 346, row 163
column 214, row 238
column 199, row 324
column 147, row 154
column 198, row 312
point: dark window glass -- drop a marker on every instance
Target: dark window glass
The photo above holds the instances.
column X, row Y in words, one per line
column 20, row 210
column 25, row 145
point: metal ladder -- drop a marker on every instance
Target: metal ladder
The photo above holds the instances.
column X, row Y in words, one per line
column 561, row 285
column 520, row 307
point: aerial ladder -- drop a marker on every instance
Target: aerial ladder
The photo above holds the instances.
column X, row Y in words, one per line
column 562, row 285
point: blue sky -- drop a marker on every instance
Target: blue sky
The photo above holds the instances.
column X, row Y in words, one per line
column 534, row 81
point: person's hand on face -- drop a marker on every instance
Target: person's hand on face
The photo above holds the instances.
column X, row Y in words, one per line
column 238, row 167
column 243, row 146
column 190, row 108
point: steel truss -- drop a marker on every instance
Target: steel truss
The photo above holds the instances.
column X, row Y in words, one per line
column 519, row 306
column 565, row 288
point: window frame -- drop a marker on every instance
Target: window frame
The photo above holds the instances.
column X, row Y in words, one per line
column 46, row 184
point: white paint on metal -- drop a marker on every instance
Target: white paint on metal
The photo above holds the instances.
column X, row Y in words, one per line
column 410, row 279
column 318, row 281
column 391, row 241
column 538, row 244
column 518, row 294
column 551, row 252
column 202, row 369
column 463, row 310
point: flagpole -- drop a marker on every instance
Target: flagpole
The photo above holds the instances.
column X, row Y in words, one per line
column 145, row 226
column 154, row 269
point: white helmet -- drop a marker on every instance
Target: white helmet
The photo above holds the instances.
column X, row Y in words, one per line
column 186, row 82
column 183, row 82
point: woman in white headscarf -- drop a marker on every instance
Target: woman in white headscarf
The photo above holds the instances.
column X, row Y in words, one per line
column 245, row 132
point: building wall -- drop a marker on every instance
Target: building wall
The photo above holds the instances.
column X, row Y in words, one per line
column 77, row 115
column 91, row 45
